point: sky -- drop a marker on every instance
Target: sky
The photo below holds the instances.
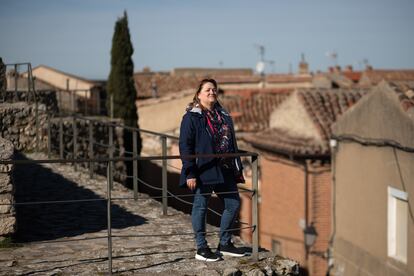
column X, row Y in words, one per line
column 75, row 36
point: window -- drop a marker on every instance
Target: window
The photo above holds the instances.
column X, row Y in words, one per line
column 276, row 247
column 397, row 224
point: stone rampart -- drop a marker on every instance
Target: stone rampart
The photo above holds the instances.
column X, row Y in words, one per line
column 7, row 212
column 18, row 124
column 44, row 97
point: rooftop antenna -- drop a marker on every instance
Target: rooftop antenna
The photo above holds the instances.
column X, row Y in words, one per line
column 333, row 56
column 272, row 65
column 260, row 66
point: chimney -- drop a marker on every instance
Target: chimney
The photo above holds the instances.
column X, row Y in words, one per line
column 303, row 66
column 337, row 69
column 349, row 68
column 369, row 68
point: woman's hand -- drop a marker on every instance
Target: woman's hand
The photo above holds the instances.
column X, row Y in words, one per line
column 191, row 183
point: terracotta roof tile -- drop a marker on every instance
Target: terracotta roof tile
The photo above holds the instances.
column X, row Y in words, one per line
column 251, row 108
column 324, row 107
column 352, row 75
column 170, row 83
column 405, row 92
column 276, row 140
column 237, row 79
column 376, row 76
column 165, row 83
column 275, row 78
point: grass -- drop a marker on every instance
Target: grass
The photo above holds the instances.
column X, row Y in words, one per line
column 7, row 242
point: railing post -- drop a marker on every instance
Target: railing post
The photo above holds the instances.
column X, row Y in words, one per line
column 59, row 94
column 98, row 102
column 75, row 143
column 86, row 103
column 15, row 97
column 49, row 137
column 135, row 164
column 255, row 220
column 37, row 123
column 29, row 70
column 111, row 146
column 164, row 176
column 91, row 164
column 60, row 137
column 73, row 99
column 111, row 106
column 109, row 180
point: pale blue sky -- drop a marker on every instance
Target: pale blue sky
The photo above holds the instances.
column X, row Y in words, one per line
column 75, row 35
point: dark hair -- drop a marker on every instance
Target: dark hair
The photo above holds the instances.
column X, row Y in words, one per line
column 196, row 101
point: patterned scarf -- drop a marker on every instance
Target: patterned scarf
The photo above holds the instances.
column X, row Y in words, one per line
column 220, row 130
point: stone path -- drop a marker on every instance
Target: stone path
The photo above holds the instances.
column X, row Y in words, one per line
column 44, row 228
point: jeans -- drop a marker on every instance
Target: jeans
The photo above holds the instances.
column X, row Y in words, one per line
column 231, row 208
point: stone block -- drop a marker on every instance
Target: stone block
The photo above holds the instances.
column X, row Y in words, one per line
column 7, row 225
column 5, row 183
column 6, row 199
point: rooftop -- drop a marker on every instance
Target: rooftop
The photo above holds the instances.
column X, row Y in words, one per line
column 405, row 92
column 373, row 77
column 251, row 108
column 301, row 125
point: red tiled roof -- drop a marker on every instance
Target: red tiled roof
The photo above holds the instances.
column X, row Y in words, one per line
column 201, row 71
column 353, row 75
column 405, row 92
column 323, row 106
column 164, row 82
column 283, row 78
column 237, row 79
column 170, row 83
column 376, row 76
column 251, row 108
column 276, row 140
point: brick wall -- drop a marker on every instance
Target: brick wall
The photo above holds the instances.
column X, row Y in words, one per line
column 282, row 206
column 319, row 214
column 282, row 209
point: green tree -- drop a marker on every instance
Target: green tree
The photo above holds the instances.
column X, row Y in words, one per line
column 121, row 85
column 120, row 82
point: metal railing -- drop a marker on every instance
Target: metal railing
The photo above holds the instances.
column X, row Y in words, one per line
column 23, row 89
column 21, row 86
column 83, row 101
column 165, row 194
column 20, row 79
column 109, row 164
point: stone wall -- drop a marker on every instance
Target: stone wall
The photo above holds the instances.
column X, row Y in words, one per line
column 100, row 146
column 45, row 97
column 7, row 212
column 18, row 124
column 2, row 76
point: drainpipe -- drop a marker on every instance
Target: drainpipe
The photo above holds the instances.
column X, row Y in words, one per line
column 306, row 183
column 334, row 149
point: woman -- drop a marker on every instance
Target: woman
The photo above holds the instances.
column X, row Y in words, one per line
column 207, row 128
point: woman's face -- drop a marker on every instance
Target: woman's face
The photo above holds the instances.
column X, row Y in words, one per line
column 208, row 95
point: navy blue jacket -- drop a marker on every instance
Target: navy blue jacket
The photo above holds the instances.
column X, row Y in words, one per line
column 195, row 138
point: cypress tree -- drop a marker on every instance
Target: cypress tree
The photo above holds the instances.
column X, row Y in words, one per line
column 121, row 84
